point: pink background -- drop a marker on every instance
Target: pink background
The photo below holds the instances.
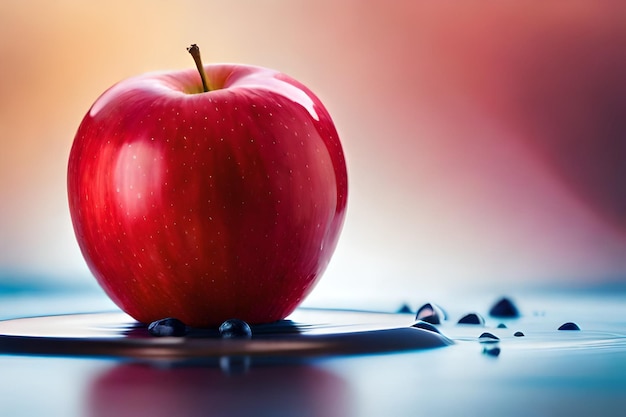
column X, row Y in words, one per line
column 486, row 141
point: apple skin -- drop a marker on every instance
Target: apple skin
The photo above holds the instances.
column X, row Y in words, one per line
column 206, row 206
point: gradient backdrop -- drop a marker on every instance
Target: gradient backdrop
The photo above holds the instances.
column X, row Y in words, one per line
column 486, row 141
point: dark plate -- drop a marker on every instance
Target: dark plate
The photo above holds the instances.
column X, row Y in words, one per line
column 307, row 332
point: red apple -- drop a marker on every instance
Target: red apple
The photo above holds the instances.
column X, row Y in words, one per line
column 207, row 205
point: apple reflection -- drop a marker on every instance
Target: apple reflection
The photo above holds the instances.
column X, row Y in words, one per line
column 230, row 387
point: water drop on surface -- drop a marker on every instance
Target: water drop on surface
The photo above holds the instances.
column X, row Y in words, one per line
column 518, row 334
column 430, row 313
column 235, row 329
column 504, row 308
column 472, row 318
column 405, row 309
column 168, row 327
column 569, row 326
column 488, row 338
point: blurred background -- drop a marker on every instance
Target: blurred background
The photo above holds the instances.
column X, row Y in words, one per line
column 486, row 141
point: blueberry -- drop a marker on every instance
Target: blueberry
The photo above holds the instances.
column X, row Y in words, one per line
column 167, row 327
column 504, row 308
column 472, row 318
column 569, row 326
column 235, row 329
column 430, row 313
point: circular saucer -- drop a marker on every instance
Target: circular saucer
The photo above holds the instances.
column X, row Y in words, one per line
column 307, row 332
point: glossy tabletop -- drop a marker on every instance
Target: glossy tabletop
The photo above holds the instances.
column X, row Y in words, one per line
column 545, row 372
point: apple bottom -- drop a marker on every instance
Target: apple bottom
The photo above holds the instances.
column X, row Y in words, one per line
column 236, row 266
column 209, row 305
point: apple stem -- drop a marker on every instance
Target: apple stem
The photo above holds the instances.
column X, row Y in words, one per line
column 194, row 50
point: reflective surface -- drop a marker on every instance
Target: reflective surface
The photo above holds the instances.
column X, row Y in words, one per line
column 546, row 372
column 307, row 333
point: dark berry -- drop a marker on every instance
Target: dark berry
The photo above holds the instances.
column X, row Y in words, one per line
column 167, row 327
column 235, row 329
